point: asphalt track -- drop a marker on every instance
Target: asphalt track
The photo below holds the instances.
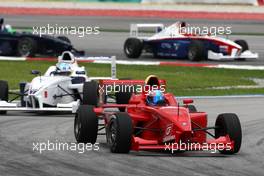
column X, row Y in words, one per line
column 111, row 43
column 19, row 131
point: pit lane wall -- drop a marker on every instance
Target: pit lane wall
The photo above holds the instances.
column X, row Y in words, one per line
column 239, row 2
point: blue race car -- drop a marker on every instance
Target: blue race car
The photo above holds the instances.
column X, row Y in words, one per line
column 172, row 42
column 26, row 44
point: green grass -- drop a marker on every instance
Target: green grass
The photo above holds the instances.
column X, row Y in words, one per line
column 180, row 80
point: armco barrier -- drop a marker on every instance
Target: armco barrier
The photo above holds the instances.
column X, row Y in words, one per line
column 252, row 2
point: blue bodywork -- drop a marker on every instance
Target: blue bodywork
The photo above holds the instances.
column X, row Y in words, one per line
column 178, row 48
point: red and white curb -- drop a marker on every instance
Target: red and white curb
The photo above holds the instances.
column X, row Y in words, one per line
column 167, row 14
column 106, row 60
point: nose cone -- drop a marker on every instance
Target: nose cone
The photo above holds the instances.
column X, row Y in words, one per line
column 179, row 116
column 45, row 81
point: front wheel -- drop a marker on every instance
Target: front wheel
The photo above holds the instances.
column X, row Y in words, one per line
column 119, row 133
column 86, row 125
column 229, row 124
column 243, row 45
column 196, row 51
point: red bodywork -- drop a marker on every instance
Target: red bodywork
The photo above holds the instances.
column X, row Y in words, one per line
column 163, row 126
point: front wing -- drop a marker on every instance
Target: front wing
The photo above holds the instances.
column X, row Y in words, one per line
column 244, row 55
column 70, row 107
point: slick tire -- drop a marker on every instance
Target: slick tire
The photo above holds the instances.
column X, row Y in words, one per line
column 119, row 133
column 192, row 108
column 123, row 96
column 90, row 93
column 27, row 47
column 243, row 44
column 86, row 125
column 133, row 47
column 196, row 51
column 229, row 124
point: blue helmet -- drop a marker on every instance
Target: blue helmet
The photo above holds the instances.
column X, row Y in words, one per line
column 64, row 67
column 155, row 98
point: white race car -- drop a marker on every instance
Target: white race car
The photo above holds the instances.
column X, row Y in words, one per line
column 62, row 88
column 175, row 41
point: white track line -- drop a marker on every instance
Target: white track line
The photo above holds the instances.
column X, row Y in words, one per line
column 241, row 67
column 128, row 62
column 4, row 58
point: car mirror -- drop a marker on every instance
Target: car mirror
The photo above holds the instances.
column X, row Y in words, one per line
column 187, row 101
column 35, row 72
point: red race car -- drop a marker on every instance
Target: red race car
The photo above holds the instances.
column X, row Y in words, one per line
column 145, row 117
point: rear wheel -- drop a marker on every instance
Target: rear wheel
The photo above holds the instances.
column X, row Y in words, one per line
column 27, row 47
column 243, row 44
column 123, row 97
column 133, row 47
column 85, row 125
column 90, row 93
column 192, row 108
column 196, row 51
column 119, row 133
column 3, row 93
column 229, row 124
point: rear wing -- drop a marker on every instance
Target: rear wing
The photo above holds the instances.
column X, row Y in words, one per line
column 134, row 29
column 128, row 82
column 101, row 60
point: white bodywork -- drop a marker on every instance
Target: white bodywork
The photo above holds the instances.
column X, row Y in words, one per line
column 55, row 91
column 174, row 31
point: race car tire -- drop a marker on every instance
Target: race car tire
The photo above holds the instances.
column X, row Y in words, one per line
column 123, row 97
column 119, row 133
column 192, row 108
column 64, row 38
column 27, row 47
column 90, row 93
column 133, row 47
column 229, row 124
column 196, row 51
column 85, row 125
column 243, row 44
column 3, row 93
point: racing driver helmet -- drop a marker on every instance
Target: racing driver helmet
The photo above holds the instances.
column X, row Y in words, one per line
column 64, row 68
column 155, row 98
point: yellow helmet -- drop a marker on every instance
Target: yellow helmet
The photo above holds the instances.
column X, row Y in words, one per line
column 152, row 80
